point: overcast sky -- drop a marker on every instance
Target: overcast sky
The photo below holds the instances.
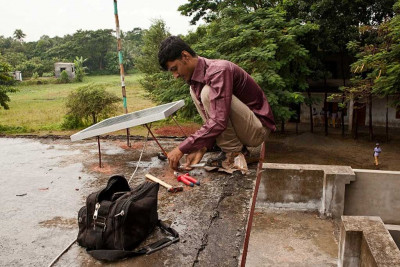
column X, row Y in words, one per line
column 58, row 18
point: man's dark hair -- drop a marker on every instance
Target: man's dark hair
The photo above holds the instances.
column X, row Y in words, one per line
column 171, row 48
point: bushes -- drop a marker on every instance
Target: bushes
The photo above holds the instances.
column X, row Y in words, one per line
column 80, row 70
column 89, row 104
column 71, row 122
column 64, row 77
column 40, row 80
column 35, row 76
column 4, row 129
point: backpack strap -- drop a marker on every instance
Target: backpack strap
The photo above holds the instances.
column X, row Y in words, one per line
column 113, row 255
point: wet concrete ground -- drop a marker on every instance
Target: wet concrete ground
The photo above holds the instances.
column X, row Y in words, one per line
column 292, row 238
column 45, row 182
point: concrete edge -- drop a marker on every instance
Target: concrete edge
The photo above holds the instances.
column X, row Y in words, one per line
column 376, row 171
column 393, row 227
column 381, row 248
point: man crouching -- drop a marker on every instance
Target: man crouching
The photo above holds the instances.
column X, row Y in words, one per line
column 234, row 109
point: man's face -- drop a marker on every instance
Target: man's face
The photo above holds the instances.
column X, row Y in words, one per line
column 180, row 69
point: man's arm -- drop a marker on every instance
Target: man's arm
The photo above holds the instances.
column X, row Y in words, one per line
column 220, row 98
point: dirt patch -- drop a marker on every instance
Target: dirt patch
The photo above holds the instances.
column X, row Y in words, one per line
column 60, row 222
column 308, row 148
column 105, row 168
column 172, row 130
column 134, row 145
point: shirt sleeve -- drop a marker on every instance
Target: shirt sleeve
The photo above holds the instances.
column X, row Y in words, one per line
column 220, row 97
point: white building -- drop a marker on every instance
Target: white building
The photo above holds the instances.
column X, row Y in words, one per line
column 68, row 67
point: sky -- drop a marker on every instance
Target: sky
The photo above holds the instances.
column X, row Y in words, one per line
column 60, row 17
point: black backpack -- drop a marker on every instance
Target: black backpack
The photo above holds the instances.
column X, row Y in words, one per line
column 117, row 219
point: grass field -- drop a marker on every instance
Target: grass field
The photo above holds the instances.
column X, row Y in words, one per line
column 40, row 109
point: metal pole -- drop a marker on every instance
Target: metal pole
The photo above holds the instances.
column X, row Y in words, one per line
column 253, row 204
column 98, row 145
column 179, row 126
column 121, row 66
column 162, row 149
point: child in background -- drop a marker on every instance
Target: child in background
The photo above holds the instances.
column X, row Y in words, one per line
column 377, row 152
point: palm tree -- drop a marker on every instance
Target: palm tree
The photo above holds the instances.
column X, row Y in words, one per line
column 19, row 35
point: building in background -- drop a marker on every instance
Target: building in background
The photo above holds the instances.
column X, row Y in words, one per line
column 17, row 75
column 68, row 67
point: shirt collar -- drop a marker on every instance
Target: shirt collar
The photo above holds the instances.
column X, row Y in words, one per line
column 199, row 71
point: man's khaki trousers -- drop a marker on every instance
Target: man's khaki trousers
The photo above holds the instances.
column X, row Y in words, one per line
column 243, row 128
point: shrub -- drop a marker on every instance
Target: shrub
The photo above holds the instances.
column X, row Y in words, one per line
column 35, row 76
column 4, row 129
column 71, row 122
column 91, row 103
column 64, row 77
column 79, row 68
column 40, row 80
column 48, row 74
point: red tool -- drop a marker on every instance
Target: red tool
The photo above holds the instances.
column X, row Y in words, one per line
column 186, row 179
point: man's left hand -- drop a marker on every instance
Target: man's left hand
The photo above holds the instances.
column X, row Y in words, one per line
column 194, row 158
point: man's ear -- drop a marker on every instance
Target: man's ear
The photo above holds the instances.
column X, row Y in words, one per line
column 186, row 56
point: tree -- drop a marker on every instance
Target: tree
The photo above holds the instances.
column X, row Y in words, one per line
column 93, row 45
column 91, row 101
column 264, row 44
column 35, row 64
column 162, row 87
column 19, row 35
column 338, row 24
column 148, row 60
column 6, row 82
column 79, row 68
column 377, row 69
column 209, row 10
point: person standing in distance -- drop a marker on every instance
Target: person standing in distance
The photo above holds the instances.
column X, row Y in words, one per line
column 234, row 109
column 377, row 152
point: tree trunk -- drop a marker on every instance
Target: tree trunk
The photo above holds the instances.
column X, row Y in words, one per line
column 283, row 126
column 101, row 64
column 355, row 127
column 371, row 133
column 325, row 107
column 311, row 113
column 350, row 116
column 94, row 118
column 387, row 118
column 343, row 96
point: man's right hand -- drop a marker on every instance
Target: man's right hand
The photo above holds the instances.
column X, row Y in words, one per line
column 173, row 157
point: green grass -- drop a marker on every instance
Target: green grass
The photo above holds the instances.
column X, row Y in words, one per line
column 40, row 109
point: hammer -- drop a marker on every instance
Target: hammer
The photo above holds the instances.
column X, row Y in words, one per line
column 170, row 188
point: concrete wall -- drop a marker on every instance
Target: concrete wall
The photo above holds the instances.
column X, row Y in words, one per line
column 394, row 231
column 379, row 113
column 305, row 187
column 300, row 188
column 364, row 241
column 374, row 193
